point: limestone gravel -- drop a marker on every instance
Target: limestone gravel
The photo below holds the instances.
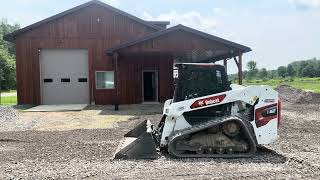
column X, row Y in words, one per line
column 87, row 154
column 7, row 113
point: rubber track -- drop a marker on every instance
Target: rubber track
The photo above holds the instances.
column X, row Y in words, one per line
column 206, row 125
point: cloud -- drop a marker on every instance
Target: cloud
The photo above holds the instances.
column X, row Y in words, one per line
column 192, row 19
column 305, row 4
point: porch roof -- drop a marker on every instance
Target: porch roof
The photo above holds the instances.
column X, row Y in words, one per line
column 186, row 44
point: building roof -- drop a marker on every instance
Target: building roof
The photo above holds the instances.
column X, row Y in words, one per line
column 242, row 48
column 160, row 22
column 11, row 37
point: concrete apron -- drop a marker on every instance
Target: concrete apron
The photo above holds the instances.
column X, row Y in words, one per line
column 57, row 108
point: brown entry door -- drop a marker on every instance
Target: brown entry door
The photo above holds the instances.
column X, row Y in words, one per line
column 150, row 86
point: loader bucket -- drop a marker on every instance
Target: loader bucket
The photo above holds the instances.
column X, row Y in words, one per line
column 139, row 129
column 138, row 144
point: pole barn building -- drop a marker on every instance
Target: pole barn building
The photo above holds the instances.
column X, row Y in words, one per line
column 95, row 53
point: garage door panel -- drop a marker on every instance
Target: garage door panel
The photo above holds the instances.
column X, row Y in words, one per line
column 61, row 70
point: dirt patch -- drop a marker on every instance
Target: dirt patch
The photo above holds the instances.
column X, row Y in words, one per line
column 93, row 117
column 293, row 95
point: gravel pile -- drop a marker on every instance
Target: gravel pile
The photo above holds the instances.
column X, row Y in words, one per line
column 7, row 113
column 297, row 96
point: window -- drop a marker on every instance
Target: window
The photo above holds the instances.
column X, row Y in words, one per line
column 105, row 80
column 48, row 80
column 65, row 80
column 83, row 80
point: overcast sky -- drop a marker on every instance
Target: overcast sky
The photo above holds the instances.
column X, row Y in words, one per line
column 278, row 31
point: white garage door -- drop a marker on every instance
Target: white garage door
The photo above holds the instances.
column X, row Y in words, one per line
column 64, row 76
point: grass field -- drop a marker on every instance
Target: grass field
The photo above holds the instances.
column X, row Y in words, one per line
column 311, row 84
column 8, row 97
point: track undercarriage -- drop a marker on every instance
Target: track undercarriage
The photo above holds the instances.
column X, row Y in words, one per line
column 226, row 137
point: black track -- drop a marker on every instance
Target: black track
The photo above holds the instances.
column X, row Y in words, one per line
column 173, row 139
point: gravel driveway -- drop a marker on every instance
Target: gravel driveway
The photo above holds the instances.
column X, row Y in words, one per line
column 92, row 117
column 88, row 154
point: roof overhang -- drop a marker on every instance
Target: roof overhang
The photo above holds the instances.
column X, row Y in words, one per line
column 211, row 48
column 160, row 22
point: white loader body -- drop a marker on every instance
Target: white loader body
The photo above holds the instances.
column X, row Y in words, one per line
column 265, row 95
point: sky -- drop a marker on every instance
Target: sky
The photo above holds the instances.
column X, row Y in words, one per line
column 278, row 31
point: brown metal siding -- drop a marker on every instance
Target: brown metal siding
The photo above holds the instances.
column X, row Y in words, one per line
column 177, row 41
column 130, row 83
column 81, row 29
column 130, row 78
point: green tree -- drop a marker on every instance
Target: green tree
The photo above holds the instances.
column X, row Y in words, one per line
column 263, row 73
column 317, row 69
column 7, row 70
column 6, row 28
column 301, row 66
column 282, row 71
column 7, row 57
column 272, row 74
column 252, row 69
column 308, row 71
column 290, row 70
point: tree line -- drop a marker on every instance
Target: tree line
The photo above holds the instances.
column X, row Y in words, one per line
column 304, row 68
column 7, row 57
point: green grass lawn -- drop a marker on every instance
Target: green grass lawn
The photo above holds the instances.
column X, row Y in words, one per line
column 312, row 84
column 8, row 100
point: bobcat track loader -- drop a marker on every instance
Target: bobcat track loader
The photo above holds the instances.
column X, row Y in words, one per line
column 207, row 117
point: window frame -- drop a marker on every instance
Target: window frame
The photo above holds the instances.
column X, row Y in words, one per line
column 114, row 80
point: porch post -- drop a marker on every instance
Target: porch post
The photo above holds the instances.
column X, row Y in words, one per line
column 115, row 57
column 225, row 63
column 240, row 73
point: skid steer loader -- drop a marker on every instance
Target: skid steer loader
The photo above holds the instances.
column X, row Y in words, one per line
column 207, row 117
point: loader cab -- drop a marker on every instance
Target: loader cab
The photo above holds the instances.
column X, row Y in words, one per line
column 199, row 79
